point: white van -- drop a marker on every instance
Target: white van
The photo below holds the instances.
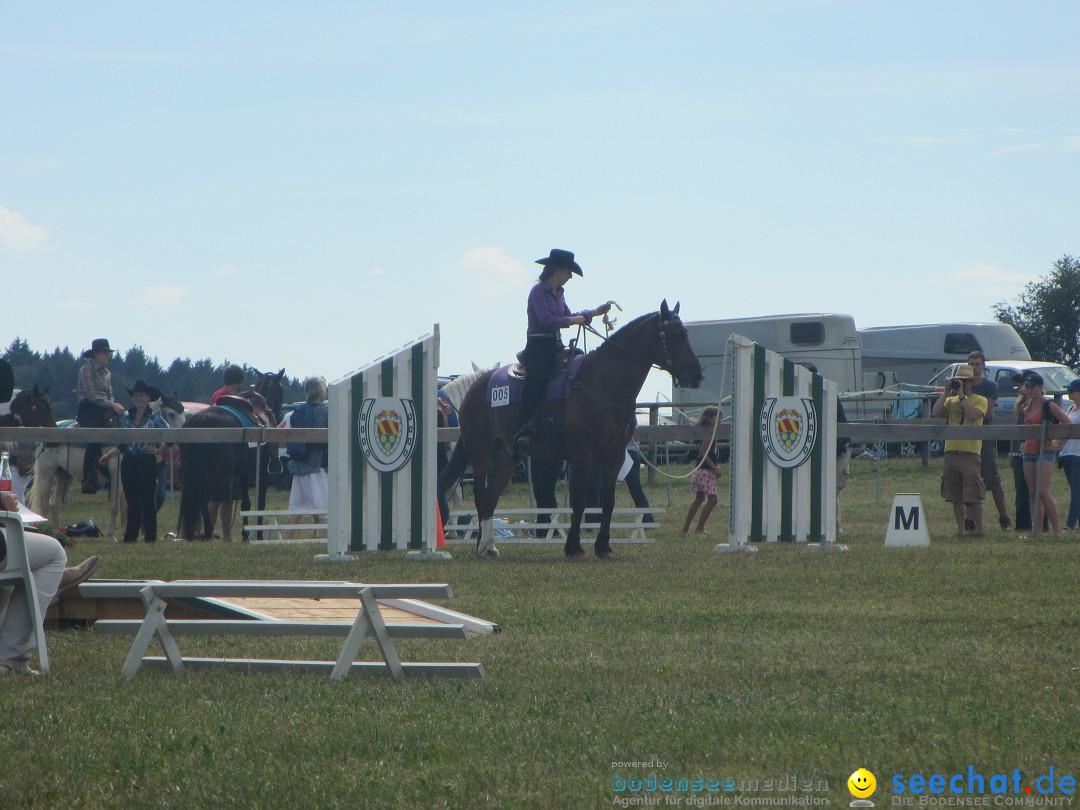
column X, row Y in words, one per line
column 830, row 341
column 918, row 352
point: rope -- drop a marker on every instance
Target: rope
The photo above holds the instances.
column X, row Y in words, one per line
column 716, row 426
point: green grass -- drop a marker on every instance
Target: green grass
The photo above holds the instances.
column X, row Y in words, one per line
column 722, row 666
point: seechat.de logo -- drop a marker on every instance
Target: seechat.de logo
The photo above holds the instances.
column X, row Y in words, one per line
column 861, row 785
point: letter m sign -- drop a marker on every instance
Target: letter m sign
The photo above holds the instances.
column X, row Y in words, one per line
column 909, row 520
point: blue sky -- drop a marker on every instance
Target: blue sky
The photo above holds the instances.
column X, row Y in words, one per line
column 313, row 185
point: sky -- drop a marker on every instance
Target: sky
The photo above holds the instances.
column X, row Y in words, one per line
column 311, row 186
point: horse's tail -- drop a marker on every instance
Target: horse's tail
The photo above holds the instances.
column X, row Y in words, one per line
column 194, row 490
column 454, row 469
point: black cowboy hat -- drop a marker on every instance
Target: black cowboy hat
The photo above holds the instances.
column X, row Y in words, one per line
column 99, row 345
column 7, row 381
column 561, row 258
column 149, row 390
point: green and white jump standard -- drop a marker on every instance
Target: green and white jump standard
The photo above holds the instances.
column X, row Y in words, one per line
column 382, row 470
column 783, row 452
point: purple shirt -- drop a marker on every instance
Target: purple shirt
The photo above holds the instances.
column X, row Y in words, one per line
column 548, row 311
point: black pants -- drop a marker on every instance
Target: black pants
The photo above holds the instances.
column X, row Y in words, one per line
column 539, row 357
column 139, row 475
column 91, row 415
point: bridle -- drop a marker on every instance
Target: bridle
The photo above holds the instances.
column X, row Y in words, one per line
column 667, row 364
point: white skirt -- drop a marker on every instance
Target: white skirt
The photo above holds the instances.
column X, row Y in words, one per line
column 310, row 493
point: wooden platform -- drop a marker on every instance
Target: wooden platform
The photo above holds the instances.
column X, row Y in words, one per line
column 351, row 610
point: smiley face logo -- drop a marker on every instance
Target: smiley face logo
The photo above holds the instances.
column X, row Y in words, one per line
column 861, row 783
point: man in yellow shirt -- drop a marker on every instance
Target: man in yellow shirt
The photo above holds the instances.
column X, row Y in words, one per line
column 961, row 481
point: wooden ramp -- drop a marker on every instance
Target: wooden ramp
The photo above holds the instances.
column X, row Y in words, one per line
column 252, row 608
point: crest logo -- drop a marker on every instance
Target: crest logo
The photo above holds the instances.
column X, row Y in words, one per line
column 788, row 430
column 387, row 431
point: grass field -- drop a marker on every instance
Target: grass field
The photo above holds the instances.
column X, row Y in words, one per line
column 715, row 667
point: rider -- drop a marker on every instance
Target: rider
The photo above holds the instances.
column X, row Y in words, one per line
column 96, row 405
column 548, row 313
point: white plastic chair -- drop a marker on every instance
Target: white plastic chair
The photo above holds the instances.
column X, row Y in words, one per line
column 16, row 568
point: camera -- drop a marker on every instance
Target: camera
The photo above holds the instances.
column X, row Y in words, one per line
column 955, row 384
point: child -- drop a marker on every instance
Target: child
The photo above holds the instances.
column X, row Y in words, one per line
column 703, row 482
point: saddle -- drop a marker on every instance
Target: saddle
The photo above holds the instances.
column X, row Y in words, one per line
column 562, row 360
column 245, row 406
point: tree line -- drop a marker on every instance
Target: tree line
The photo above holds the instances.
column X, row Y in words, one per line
column 1047, row 314
column 193, row 381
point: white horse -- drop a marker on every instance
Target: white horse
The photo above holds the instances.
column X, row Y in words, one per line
column 61, row 464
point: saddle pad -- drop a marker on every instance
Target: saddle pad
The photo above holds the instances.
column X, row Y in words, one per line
column 506, row 389
column 244, row 419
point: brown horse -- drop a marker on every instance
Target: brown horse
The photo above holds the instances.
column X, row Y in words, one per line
column 592, row 426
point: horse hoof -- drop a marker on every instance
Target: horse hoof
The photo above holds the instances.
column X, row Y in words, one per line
column 575, row 553
column 488, row 554
column 605, row 555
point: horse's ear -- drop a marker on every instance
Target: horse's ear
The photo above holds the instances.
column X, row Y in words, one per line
column 676, row 310
column 176, row 393
column 35, row 393
column 46, row 391
column 281, row 374
column 665, row 313
column 255, row 371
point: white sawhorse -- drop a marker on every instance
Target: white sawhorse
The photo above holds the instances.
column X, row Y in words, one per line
column 369, row 620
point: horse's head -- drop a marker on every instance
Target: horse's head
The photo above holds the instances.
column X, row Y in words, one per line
column 677, row 355
column 33, row 408
column 269, row 386
column 171, row 409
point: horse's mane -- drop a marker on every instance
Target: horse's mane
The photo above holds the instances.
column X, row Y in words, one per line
column 623, row 331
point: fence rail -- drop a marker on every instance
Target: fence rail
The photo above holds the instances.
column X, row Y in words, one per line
column 913, row 430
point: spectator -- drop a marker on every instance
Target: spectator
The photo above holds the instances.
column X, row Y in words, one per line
column 139, row 469
column 703, row 482
column 233, row 378
column 443, row 411
column 96, row 405
column 1069, row 456
column 961, row 481
column 988, row 456
column 1039, row 455
column 308, row 462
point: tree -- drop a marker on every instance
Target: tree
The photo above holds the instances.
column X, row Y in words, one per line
column 1047, row 314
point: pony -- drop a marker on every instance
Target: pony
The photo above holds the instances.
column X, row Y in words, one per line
column 56, row 465
column 214, row 468
column 591, row 426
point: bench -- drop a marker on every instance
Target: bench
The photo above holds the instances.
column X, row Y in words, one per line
column 628, row 526
column 369, row 620
column 261, row 523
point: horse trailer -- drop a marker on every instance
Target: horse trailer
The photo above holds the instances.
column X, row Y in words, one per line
column 916, row 353
column 829, row 341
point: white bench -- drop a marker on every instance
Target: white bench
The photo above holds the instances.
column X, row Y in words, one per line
column 369, row 620
column 628, row 526
column 262, row 523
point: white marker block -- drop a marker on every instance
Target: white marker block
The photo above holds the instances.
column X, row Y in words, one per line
column 907, row 522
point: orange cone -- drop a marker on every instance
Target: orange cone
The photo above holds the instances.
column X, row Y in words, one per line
column 440, row 535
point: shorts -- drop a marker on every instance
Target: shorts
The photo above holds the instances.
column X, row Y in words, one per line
column 989, row 467
column 960, row 480
column 1032, row 458
column 703, row 481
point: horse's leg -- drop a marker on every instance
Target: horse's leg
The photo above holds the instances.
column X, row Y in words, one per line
column 500, row 477
column 579, row 485
column 610, row 467
column 115, row 492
